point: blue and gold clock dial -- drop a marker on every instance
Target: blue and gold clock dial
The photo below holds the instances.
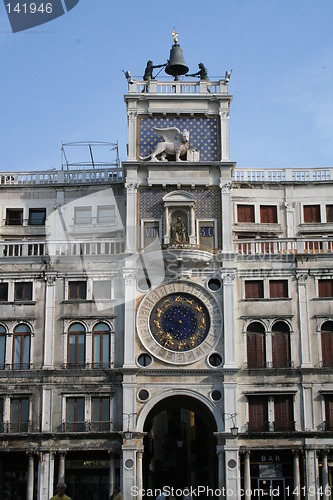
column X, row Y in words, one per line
column 179, row 322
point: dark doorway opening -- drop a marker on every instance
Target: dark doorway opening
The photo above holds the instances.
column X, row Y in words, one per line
column 180, row 446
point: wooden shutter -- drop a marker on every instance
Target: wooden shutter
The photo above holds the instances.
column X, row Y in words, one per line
column 327, row 344
column 255, row 345
column 283, row 413
column 281, row 345
column 278, row 289
column 329, row 412
column 254, row 289
column 325, row 288
column 311, row 213
column 258, row 413
column 268, row 214
column 245, row 213
column 329, row 213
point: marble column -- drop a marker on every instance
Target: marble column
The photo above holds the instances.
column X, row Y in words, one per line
column 50, row 279
column 112, row 472
column 297, row 477
column 247, row 476
column 303, row 314
column 30, row 481
column 139, row 473
column 228, row 312
column 61, row 470
column 325, row 483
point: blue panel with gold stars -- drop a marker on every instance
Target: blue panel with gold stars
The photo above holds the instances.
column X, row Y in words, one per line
column 203, row 134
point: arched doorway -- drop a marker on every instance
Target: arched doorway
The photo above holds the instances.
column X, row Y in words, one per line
column 179, row 446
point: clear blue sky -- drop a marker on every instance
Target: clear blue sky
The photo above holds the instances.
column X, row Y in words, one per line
column 63, row 81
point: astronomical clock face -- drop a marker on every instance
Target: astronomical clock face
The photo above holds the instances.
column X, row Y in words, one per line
column 179, row 322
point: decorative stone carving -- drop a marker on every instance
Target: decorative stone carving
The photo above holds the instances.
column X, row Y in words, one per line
column 302, row 278
column 226, row 187
column 175, row 143
column 225, row 115
column 130, row 278
column 131, row 187
column 228, row 278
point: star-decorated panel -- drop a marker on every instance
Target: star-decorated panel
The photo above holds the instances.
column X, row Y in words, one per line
column 203, row 134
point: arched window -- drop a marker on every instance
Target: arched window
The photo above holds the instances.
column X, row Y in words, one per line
column 21, row 349
column 76, row 353
column 281, row 345
column 256, row 357
column 101, row 345
column 2, row 347
column 327, row 343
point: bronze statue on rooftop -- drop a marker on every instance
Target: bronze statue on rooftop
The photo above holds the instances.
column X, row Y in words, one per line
column 202, row 73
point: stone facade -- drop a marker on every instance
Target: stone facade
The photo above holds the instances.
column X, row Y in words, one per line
column 168, row 323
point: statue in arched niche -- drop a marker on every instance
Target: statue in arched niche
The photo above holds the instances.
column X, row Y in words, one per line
column 179, row 232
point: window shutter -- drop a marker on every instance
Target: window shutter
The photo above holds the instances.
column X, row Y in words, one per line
column 268, row 214
column 258, row 413
column 281, row 345
column 254, row 289
column 311, row 213
column 325, row 288
column 329, row 412
column 256, row 350
column 278, row 289
column 245, row 213
column 283, row 413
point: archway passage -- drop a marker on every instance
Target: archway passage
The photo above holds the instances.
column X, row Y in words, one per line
column 180, row 446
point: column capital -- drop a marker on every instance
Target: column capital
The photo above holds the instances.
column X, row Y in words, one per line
column 226, row 187
column 225, row 115
column 130, row 277
column 50, row 277
column 228, row 277
column 131, row 187
column 302, row 278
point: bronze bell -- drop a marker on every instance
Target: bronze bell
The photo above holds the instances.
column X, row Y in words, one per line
column 176, row 65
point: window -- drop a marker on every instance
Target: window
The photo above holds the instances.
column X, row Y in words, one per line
column 76, row 346
column 19, row 415
column 37, row 216
column 2, row 347
column 311, row 213
column 101, row 345
column 23, row 290
column 254, row 289
column 325, row 288
column 245, row 213
column 329, row 213
column 3, row 292
column 255, row 345
column 77, row 290
column 82, row 215
column 258, row 414
column 21, row 349
column 278, row 289
column 100, row 412
column 329, row 412
column 327, row 344
column 268, row 214
column 14, row 216
column 102, row 290
column 284, row 413
column 281, row 345
column 75, row 415
column 105, row 214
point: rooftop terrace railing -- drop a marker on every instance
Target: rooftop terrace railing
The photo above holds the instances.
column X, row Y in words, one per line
column 283, row 174
column 79, row 175
column 178, row 87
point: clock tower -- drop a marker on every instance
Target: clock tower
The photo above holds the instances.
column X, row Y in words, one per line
column 179, row 371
